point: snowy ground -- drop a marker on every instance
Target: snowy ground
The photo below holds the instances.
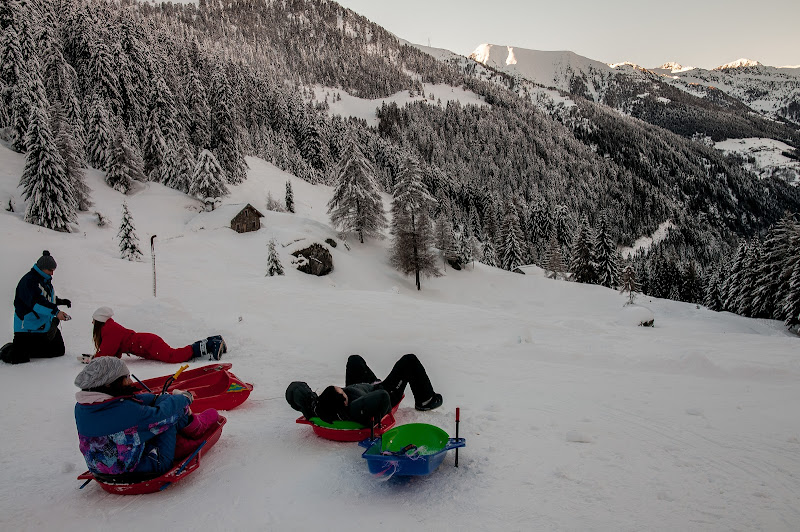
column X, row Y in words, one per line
column 575, row 419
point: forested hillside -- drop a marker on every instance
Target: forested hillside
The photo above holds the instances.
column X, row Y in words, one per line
column 180, row 94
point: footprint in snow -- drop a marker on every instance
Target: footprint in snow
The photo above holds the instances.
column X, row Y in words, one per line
column 576, row 436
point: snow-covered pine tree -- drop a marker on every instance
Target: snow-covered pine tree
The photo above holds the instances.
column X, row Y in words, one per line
column 128, row 241
column 582, row 263
column 71, row 154
column 29, row 93
column 444, row 237
column 712, row 298
column 629, row 283
column 789, row 302
column 99, row 142
column 289, row 197
column 412, row 245
column 11, row 59
column 225, row 141
column 181, row 168
column 555, row 260
column 208, row 179
column 511, row 253
column 356, row 203
column 732, row 286
column 767, row 294
column 122, row 172
column 46, row 187
column 274, row 266
column 489, row 256
column 605, row 256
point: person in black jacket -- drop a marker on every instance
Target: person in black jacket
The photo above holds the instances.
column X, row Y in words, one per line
column 365, row 399
column 36, row 315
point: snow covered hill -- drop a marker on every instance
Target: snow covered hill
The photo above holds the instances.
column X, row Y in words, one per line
column 575, row 418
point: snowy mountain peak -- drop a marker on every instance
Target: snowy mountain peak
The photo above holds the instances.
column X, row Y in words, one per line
column 739, row 63
column 674, row 67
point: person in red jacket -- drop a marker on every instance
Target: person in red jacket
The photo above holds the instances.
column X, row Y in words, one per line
column 112, row 339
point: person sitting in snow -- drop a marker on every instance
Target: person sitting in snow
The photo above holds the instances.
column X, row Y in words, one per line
column 36, row 315
column 112, row 339
column 365, row 399
column 120, row 432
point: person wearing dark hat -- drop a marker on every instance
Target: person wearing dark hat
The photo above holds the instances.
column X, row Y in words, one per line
column 112, row 340
column 364, row 398
column 36, row 315
column 120, row 432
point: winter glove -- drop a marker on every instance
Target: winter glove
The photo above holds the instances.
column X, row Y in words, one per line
column 66, row 302
column 188, row 395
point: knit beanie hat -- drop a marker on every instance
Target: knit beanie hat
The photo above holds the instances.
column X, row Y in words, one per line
column 102, row 314
column 100, row 372
column 46, row 262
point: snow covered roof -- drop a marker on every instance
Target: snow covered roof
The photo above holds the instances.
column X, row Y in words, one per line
column 219, row 217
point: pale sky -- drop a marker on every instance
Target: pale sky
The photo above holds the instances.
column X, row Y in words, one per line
column 701, row 33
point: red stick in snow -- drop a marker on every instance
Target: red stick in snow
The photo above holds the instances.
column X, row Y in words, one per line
column 458, row 416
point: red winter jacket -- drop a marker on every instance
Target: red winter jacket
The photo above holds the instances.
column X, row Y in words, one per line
column 115, row 340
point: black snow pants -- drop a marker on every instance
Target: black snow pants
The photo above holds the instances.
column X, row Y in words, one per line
column 407, row 370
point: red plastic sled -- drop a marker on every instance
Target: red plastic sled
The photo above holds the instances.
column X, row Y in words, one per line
column 348, row 430
column 213, row 386
column 180, row 470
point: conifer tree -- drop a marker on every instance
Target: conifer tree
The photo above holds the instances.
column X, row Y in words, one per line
column 412, row 244
column 582, row 263
column 225, row 141
column 128, row 241
column 511, row 254
column 99, row 146
column 274, row 266
column 489, row 256
column 445, row 238
column 28, row 94
column 555, row 259
column 66, row 141
column 181, row 168
column 605, row 256
column 629, row 283
column 289, row 197
column 122, row 171
column 712, row 298
column 356, row 203
column 208, row 179
column 46, row 187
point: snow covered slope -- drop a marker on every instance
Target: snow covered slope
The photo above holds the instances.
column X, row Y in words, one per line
column 575, row 419
column 771, row 91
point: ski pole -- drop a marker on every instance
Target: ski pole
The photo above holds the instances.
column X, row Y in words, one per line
column 140, row 382
column 458, row 415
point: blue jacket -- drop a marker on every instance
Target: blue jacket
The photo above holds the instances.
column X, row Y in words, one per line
column 114, row 431
column 34, row 302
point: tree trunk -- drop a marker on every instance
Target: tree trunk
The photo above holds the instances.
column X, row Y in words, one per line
column 416, row 254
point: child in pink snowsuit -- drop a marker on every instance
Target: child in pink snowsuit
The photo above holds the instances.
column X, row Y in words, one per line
column 112, row 339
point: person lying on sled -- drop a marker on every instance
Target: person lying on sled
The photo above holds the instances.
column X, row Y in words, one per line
column 112, row 339
column 364, row 398
column 120, row 432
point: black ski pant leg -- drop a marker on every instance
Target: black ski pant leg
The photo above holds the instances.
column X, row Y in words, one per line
column 408, row 370
column 357, row 371
column 38, row 345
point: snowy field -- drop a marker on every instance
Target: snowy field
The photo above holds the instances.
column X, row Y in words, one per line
column 575, row 419
column 345, row 105
column 768, row 156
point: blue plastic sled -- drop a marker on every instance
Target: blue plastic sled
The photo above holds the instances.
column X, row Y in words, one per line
column 408, row 450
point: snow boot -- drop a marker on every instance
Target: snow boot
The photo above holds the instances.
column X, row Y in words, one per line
column 210, row 348
column 200, row 423
column 434, row 402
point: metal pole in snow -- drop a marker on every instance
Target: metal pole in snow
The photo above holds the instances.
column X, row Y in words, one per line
column 458, row 416
column 153, row 253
